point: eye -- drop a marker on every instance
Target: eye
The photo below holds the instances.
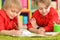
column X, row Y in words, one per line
column 40, row 8
column 17, row 12
column 12, row 11
column 46, row 7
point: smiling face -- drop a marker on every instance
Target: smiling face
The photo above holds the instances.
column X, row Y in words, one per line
column 12, row 12
column 43, row 9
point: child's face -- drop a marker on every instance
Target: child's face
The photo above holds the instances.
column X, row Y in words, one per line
column 43, row 9
column 12, row 12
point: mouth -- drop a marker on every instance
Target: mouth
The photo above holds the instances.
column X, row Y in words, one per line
column 12, row 17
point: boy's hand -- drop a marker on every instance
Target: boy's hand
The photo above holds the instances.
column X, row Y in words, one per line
column 33, row 22
column 41, row 30
column 15, row 32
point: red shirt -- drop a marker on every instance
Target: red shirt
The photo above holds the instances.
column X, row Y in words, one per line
column 5, row 22
column 45, row 21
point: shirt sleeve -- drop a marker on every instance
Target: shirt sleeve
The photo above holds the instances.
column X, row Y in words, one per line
column 29, row 25
column 1, row 23
column 54, row 19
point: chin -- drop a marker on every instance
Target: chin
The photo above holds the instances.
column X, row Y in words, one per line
column 44, row 15
column 11, row 18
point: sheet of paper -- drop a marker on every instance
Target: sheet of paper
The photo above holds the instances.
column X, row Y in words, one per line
column 27, row 33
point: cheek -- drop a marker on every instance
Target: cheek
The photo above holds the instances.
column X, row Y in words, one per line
column 47, row 11
column 11, row 13
column 15, row 15
column 40, row 11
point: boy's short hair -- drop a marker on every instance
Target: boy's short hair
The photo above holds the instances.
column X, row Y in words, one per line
column 12, row 3
column 47, row 2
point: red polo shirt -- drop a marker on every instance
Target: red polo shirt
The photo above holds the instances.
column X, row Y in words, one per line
column 5, row 22
column 45, row 21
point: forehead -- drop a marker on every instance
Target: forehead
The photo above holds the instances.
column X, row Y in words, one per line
column 41, row 5
column 14, row 8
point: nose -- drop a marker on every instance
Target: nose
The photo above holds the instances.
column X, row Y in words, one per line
column 15, row 14
column 43, row 10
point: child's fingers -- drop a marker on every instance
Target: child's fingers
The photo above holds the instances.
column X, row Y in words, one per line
column 34, row 19
column 16, row 33
column 41, row 31
column 31, row 20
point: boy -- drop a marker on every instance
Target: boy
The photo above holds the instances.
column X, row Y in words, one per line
column 43, row 18
column 9, row 18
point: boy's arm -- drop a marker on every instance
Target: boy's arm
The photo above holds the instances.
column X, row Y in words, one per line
column 7, row 32
column 31, row 29
column 34, row 29
column 33, row 23
column 37, row 31
column 11, row 32
column 20, row 24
